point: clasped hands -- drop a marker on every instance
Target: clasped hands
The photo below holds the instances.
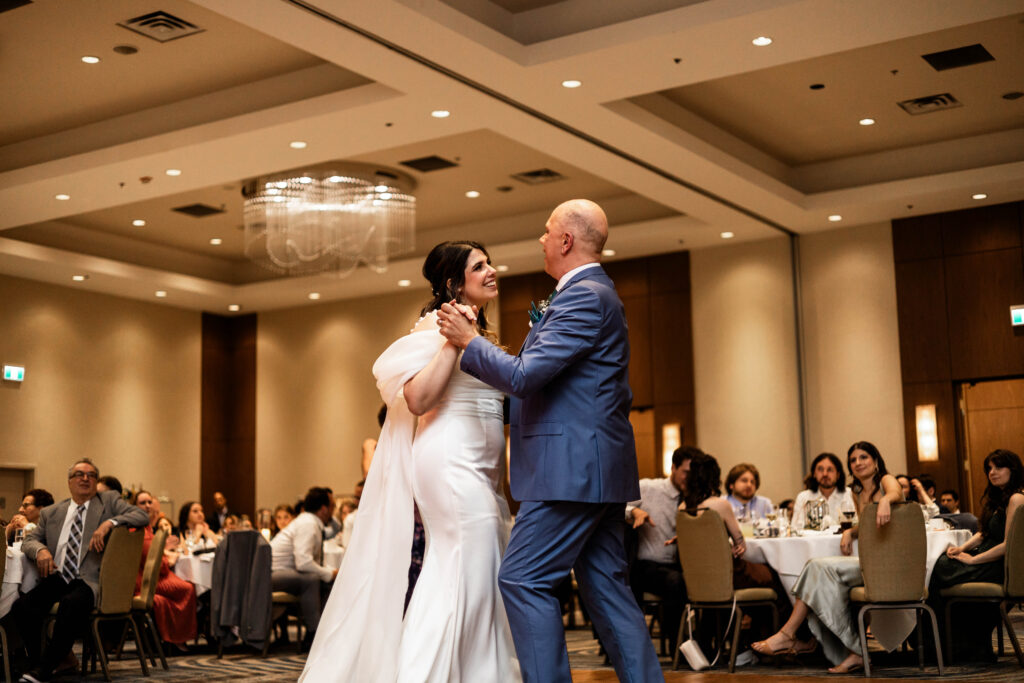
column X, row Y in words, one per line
column 458, row 323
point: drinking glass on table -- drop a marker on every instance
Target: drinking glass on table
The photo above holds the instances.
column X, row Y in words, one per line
column 847, row 513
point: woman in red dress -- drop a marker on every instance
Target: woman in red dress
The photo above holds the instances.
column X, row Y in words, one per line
column 174, row 605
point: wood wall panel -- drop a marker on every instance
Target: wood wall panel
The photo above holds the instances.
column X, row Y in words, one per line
column 921, row 317
column 638, row 318
column 228, row 422
column 917, row 238
column 983, row 229
column 980, row 288
column 945, row 471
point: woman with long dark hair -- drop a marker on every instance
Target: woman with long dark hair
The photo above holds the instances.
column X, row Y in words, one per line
column 982, row 557
column 442, row 446
column 823, row 588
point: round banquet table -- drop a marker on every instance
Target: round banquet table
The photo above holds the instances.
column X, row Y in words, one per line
column 788, row 555
column 20, row 576
column 333, row 554
column 196, row 569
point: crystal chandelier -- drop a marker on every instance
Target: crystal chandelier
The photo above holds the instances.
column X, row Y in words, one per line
column 329, row 218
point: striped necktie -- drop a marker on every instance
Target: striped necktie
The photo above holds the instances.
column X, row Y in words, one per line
column 74, row 548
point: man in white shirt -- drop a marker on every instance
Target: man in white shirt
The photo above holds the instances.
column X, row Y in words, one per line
column 826, row 481
column 297, row 564
column 656, row 568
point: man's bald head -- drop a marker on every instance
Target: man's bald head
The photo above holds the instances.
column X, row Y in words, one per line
column 573, row 236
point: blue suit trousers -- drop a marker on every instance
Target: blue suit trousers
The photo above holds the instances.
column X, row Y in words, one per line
column 548, row 539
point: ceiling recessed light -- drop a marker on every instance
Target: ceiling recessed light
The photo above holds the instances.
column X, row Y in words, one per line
column 501, row 269
column 173, row 171
column 404, row 283
column 440, row 113
column 297, row 144
column 380, row 188
column 139, row 223
column 89, row 59
column 835, row 218
column 216, row 241
column 867, row 122
column 980, row 195
column 572, row 83
column 234, row 307
column 472, row 194
column 761, row 41
column 313, row 296
column 79, row 278
column 305, row 180
column 160, row 294
column 728, row 235
column 608, row 252
column 62, row 197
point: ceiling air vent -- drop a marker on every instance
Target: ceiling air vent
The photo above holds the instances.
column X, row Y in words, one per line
column 161, row 26
column 198, row 210
column 428, row 164
column 926, row 105
column 538, row 177
column 958, row 57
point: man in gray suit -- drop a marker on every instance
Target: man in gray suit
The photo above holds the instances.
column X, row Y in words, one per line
column 67, row 547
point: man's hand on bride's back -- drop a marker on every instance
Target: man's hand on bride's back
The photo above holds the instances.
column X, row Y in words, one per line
column 458, row 323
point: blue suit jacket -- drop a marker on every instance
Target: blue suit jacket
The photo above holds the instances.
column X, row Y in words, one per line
column 571, row 438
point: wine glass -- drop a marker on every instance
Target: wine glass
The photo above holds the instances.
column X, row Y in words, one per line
column 847, row 512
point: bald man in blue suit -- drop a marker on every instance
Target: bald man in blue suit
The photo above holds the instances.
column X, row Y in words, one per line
column 573, row 460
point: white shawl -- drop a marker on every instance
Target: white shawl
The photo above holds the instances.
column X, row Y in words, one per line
column 361, row 627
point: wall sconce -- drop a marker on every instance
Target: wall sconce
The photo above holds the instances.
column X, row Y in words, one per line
column 671, row 438
column 927, row 433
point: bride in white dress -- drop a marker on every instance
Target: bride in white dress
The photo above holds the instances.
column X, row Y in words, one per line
column 449, row 460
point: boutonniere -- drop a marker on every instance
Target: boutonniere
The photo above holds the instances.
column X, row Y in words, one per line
column 537, row 309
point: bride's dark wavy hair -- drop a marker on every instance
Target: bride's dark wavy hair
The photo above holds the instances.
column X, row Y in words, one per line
column 997, row 498
column 445, row 270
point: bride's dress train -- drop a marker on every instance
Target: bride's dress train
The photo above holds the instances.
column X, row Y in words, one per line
column 455, row 628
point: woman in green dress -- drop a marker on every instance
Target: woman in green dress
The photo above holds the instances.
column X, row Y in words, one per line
column 981, row 558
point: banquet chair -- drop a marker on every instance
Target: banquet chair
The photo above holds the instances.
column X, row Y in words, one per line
column 142, row 604
column 709, row 576
column 3, row 632
column 893, row 560
column 1006, row 595
column 119, row 569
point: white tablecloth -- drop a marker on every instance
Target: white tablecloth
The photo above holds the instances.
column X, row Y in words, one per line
column 787, row 556
column 197, row 569
column 333, row 554
column 20, row 576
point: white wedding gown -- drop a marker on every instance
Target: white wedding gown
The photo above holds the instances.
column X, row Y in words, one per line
column 455, row 628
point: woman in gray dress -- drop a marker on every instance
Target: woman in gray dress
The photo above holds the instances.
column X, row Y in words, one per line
column 824, row 584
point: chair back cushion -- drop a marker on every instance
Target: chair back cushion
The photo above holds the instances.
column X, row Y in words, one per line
column 119, row 569
column 893, row 557
column 706, row 556
column 151, row 571
column 1014, row 582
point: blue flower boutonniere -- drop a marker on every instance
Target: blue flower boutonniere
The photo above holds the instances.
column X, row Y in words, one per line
column 537, row 310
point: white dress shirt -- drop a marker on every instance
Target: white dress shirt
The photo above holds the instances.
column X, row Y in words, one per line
column 65, row 533
column 298, row 546
column 659, row 498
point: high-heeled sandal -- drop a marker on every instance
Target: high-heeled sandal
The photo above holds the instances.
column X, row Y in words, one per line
column 761, row 647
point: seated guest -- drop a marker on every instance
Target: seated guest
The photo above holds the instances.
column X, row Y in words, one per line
column 823, row 589
column 703, row 492
column 742, row 484
column 922, row 492
column 347, row 518
column 150, row 505
column 827, row 481
column 215, row 520
column 174, row 602
column 244, row 523
column 109, row 483
column 656, row 568
column 949, row 501
column 982, row 557
column 195, row 534
column 283, row 515
column 904, row 482
column 332, row 527
column 231, row 523
column 172, row 547
column 297, row 564
column 67, row 547
column 787, row 505
column 31, row 505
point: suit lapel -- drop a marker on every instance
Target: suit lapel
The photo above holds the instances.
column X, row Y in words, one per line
column 92, row 519
column 587, row 273
column 56, row 521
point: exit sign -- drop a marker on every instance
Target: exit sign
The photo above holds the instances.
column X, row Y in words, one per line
column 14, row 373
column 1017, row 315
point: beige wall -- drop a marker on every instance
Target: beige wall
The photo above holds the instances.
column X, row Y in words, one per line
column 111, row 379
column 745, row 361
column 851, row 342
column 316, row 398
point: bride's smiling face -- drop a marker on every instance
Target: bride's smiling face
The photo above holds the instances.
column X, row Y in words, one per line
column 481, row 283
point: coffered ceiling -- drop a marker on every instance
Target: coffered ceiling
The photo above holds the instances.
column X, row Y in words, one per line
column 682, row 127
